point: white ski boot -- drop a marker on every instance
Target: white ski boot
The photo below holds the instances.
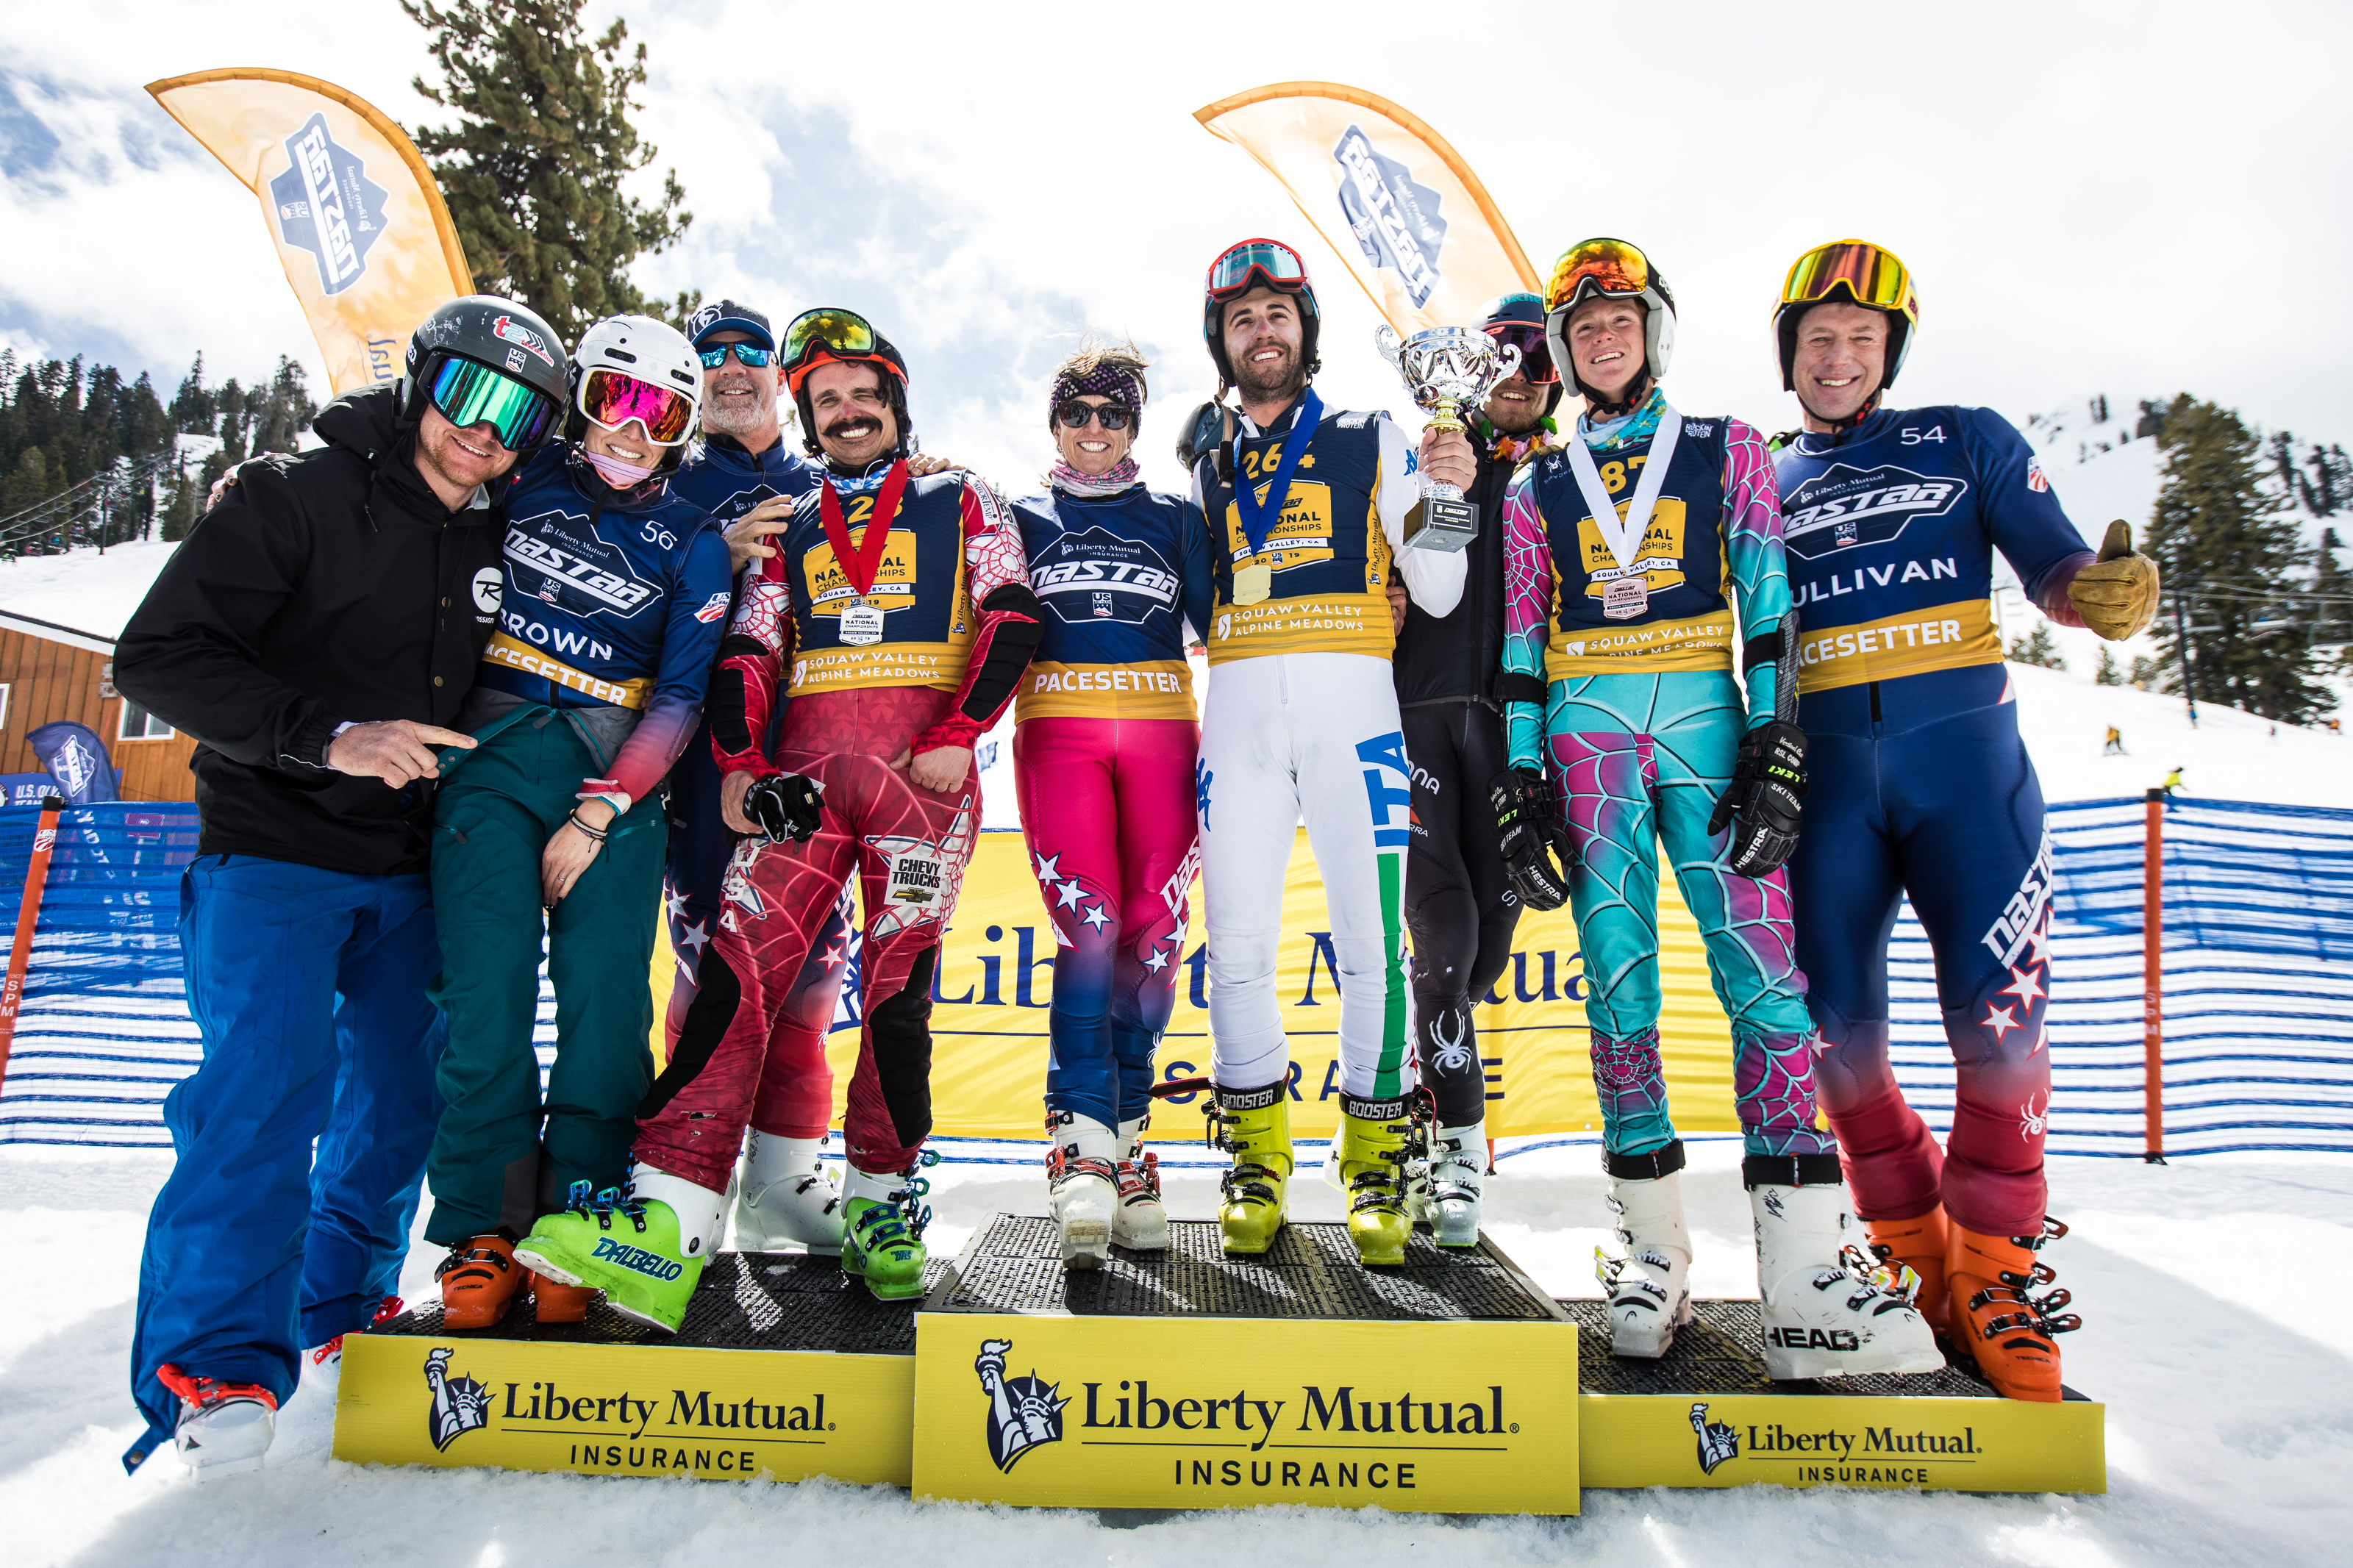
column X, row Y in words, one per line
column 786, row 1200
column 1141, row 1222
column 1650, row 1287
column 323, row 1365
column 1828, row 1312
column 224, row 1427
column 1457, row 1167
column 1083, row 1181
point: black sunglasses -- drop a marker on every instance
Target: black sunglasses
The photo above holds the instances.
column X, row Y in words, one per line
column 752, row 354
column 1075, row 416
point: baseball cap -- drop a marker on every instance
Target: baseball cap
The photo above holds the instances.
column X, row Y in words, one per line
column 727, row 316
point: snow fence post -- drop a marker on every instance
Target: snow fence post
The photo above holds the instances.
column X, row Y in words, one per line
column 2152, row 981
column 28, row 914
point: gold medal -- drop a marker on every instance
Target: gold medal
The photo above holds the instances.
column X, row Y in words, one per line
column 1254, row 582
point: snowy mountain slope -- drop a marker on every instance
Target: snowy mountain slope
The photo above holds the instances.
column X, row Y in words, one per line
column 88, row 590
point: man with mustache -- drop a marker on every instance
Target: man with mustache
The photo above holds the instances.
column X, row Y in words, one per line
column 896, row 615
column 1308, row 512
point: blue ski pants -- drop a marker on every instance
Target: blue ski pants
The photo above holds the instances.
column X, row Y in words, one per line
column 308, row 989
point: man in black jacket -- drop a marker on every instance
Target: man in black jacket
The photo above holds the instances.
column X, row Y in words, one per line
column 316, row 634
column 1459, row 905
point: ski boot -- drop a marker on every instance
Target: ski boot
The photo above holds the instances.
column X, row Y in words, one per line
column 883, row 1239
column 479, row 1281
column 323, row 1365
column 554, row 1303
column 2009, row 1332
column 1918, row 1244
column 1141, row 1222
column 1458, row 1168
column 1650, row 1287
column 1253, row 1125
column 1083, row 1185
column 1371, row 1153
column 647, row 1267
column 1829, row 1311
column 787, row 1199
column 224, row 1427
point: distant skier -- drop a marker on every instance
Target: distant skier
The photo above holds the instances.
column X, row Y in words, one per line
column 1921, row 785
column 2172, row 782
column 2115, row 743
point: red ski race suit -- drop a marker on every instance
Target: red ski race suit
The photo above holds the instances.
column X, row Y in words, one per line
column 956, row 626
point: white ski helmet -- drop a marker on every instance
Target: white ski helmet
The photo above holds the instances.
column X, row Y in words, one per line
column 644, row 350
column 1612, row 270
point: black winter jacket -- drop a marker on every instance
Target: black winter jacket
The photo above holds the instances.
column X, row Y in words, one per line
column 328, row 588
column 1455, row 657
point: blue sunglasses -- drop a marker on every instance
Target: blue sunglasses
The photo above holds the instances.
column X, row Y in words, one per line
column 745, row 354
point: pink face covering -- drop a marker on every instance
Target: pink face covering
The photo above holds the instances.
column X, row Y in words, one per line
column 621, row 476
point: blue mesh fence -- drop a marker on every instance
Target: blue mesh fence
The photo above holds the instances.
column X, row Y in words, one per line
column 2259, row 1001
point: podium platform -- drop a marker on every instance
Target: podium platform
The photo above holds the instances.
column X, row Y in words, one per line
column 1180, row 1379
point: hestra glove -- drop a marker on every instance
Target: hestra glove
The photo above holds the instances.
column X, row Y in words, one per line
column 1767, row 781
column 1531, row 836
column 785, row 806
column 2117, row 594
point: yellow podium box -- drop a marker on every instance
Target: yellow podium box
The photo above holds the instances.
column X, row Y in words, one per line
column 1170, row 1411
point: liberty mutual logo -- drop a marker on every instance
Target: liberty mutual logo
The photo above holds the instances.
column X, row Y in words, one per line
column 1024, row 1412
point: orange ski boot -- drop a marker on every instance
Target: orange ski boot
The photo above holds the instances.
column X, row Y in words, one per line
column 1918, row 1244
column 554, row 1303
column 479, row 1280
column 2008, row 1332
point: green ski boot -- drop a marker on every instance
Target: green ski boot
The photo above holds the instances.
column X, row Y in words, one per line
column 1253, row 1125
column 648, row 1265
column 1372, row 1151
column 883, row 1229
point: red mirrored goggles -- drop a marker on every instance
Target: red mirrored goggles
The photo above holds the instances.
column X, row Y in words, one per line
column 1535, row 354
column 1254, row 263
column 611, row 399
column 1869, row 274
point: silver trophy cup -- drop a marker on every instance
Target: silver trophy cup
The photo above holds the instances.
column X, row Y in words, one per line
column 1447, row 369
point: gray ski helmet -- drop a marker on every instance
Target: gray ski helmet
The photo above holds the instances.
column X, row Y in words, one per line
column 511, row 339
column 1604, row 268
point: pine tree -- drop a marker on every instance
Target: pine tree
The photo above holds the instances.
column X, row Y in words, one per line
column 2039, row 649
column 2227, row 549
column 534, row 167
column 192, row 410
column 2332, row 593
column 2108, row 674
column 283, row 410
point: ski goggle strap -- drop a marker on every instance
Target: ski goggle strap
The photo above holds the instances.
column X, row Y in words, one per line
column 1606, row 266
column 611, row 399
column 1256, row 263
column 1869, row 274
column 467, row 394
column 843, row 331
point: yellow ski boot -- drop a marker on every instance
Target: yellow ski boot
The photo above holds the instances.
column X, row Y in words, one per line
column 1372, row 1152
column 1253, row 1125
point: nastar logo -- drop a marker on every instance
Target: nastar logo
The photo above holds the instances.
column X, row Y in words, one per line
column 460, row 1404
column 327, row 205
column 1393, row 218
column 507, row 329
column 1717, row 1442
column 1847, row 506
column 569, row 579
column 1024, row 1412
column 1123, row 579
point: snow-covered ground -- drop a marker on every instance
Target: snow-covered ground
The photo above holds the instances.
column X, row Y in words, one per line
column 2229, row 1387
column 89, row 590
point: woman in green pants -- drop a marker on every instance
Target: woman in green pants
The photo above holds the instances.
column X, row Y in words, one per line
column 614, row 597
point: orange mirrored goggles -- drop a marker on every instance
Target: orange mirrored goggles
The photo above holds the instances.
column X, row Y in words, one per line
column 1609, row 267
column 1869, row 274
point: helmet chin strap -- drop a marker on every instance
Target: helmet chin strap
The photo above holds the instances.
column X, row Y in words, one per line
column 1869, row 407
column 1637, row 390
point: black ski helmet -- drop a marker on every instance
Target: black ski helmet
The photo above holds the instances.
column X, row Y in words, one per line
column 1254, row 264
column 1865, row 274
column 511, row 339
column 1524, row 309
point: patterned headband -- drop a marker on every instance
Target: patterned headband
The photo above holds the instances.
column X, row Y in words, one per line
column 1109, row 381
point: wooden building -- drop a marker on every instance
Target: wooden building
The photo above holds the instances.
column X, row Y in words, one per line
column 49, row 672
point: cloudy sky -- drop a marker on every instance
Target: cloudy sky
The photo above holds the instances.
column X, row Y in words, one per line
column 2127, row 198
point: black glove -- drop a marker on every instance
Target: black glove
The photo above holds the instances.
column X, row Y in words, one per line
column 1531, row 835
column 1768, row 782
column 785, row 806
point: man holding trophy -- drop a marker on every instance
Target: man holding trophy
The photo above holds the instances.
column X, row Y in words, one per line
column 1310, row 512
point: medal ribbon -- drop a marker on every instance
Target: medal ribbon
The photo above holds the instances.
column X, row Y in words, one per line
column 860, row 563
column 1624, row 535
column 1258, row 517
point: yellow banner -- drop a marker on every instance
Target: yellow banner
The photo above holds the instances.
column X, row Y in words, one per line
column 357, row 219
column 1910, row 642
column 514, row 655
column 1088, row 1411
column 627, row 1410
column 997, row 976
column 1400, row 207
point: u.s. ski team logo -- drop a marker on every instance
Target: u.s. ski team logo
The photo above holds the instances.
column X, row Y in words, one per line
column 327, row 205
column 1023, row 1412
column 460, row 1404
column 1717, row 1442
column 1394, row 216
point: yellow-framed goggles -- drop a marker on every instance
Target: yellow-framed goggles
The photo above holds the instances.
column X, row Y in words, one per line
column 1869, row 274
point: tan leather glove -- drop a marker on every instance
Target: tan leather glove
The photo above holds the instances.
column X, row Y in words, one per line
column 2117, row 594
